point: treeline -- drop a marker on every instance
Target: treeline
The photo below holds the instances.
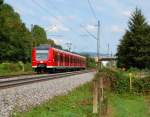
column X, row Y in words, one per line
column 134, row 47
column 16, row 41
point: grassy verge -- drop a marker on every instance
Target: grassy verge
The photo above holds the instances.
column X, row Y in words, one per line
column 7, row 68
column 77, row 103
column 128, row 106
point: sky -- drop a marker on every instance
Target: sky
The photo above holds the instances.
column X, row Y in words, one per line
column 67, row 21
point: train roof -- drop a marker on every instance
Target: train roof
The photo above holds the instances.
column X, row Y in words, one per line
column 43, row 47
column 47, row 47
column 69, row 52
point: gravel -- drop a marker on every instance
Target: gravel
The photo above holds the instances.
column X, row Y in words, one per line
column 23, row 97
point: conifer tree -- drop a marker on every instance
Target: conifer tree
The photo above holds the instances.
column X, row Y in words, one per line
column 134, row 48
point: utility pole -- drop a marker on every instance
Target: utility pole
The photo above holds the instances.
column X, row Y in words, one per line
column 98, row 46
column 101, row 91
column 69, row 46
column 108, row 50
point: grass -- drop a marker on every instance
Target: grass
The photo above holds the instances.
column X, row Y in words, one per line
column 77, row 103
column 128, row 106
column 18, row 68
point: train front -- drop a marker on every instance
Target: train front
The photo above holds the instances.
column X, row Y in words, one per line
column 40, row 58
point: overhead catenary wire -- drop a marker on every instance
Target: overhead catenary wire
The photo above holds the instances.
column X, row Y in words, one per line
column 55, row 7
column 60, row 12
column 88, row 32
column 58, row 19
column 92, row 10
column 50, row 13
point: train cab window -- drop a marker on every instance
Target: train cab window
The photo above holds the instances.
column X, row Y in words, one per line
column 41, row 54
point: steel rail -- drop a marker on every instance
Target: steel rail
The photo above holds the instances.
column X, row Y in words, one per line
column 17, row 75
column 18, row 82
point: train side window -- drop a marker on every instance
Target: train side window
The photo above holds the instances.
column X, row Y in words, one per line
column 55, row 56
column 58, row 58
column 67, row 58
column 61, row 57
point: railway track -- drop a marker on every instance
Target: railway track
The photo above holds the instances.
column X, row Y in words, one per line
column 11, row 76
column 22, row 81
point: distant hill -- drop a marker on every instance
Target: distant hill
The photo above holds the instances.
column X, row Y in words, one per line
column 93, row 54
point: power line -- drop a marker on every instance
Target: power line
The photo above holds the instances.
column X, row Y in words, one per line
column 52, row 14
column 69, row 46
column 43, row 8
column 60, row 12
column 55, row 7
column 92, row 10
column 89, row 32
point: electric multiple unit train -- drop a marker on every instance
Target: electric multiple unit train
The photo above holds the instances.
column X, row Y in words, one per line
column 50, row 59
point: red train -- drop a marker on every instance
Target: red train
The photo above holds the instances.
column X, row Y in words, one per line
column 49, row 59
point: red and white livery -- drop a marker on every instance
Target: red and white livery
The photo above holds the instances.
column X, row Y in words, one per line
column 46, row 58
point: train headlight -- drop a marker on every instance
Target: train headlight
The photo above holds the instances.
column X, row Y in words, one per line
column 41, row 61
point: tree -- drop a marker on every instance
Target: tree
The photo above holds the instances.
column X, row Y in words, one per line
column 90, row 61
column 134, row 48
column 51, row 42
column 1, row 2
column 15, row 38
column 38, row 35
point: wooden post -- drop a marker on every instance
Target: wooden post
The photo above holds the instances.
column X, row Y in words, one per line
column 95, row 97
column 101, row 97
column 130, row 76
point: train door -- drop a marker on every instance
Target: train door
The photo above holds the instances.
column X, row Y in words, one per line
column 61, row 59
column 58, row 61
column 64, row 59
column 69, row 60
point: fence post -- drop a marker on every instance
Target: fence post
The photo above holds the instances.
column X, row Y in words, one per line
column 95, row 97
column 130, row 76
column 101, row 97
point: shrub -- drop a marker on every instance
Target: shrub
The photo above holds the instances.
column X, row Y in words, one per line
column 120, row 81
column 8, row 68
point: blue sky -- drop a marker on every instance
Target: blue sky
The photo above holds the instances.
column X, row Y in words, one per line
column 63, row 20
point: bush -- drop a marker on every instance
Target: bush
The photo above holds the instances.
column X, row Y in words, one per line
column 27, row 67
column 8, row 68
column 140, row 85
column 120, row 81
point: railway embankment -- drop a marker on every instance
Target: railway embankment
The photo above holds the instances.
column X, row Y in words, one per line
column 118, row 101
column 21, row 98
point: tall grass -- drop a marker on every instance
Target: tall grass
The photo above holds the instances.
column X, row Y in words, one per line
column 128, row 106
column 10, row 68
column 77, row 103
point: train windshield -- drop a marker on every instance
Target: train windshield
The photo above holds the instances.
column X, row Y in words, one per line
column 41, row 54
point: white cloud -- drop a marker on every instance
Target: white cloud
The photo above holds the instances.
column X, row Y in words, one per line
column 90, row 28
column 116, row 29
column 59, row 41
column 71, row 17
column 57, row 26
column 126, row 13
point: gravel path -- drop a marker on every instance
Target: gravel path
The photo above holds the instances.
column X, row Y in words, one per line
column 22, row 97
